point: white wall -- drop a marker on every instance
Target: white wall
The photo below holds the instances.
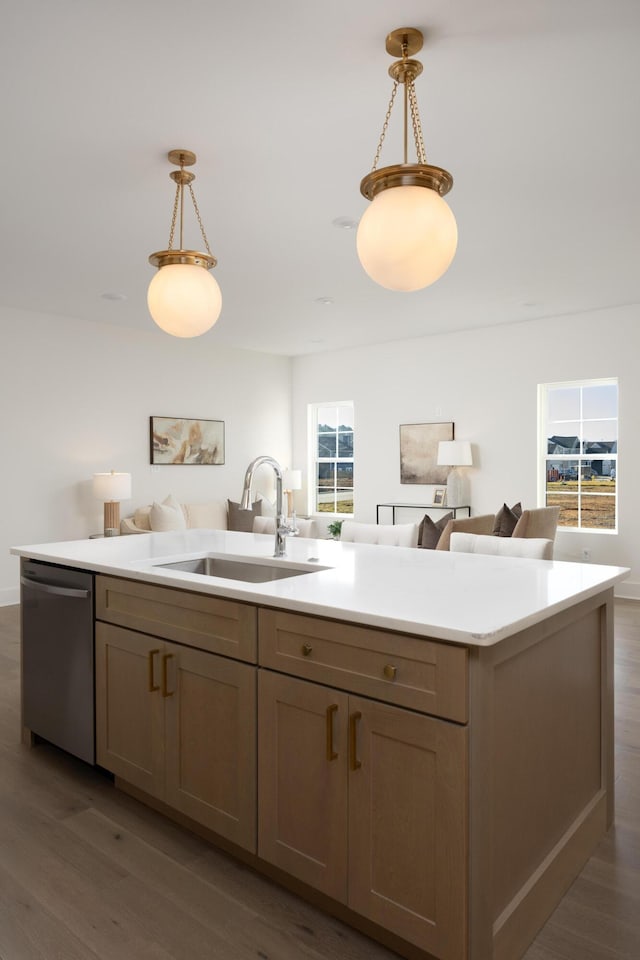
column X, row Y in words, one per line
column 75, row 399
column 485, row 381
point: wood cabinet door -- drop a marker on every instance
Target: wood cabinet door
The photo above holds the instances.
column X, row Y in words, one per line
column 129, row 707
column 302, row 780
column 210, row 754
column 408, row 825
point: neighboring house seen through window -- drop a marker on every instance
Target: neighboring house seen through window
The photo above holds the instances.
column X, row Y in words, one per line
column 331, row 455
column 579, row 452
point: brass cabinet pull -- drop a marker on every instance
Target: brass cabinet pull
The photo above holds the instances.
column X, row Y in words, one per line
column 353, row 737
column 165, row 691
column 307, row 649
column 152, row 685
column 390, row 671
column 331, row 753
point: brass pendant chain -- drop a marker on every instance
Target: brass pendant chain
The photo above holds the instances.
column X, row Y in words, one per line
column 385, row 125
column 174, row 217
column 179, row 201
column 415, row 119
column 195, row 206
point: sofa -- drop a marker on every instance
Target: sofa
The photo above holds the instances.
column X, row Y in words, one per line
column 388, row 534
column 306, row 528
column 509, row 522
column 212, row 515
column 534, row 548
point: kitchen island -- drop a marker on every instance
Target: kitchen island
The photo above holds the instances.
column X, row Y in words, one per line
column 419, row 741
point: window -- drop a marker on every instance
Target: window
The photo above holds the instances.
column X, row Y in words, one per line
column 331, row 455
column 579, row 452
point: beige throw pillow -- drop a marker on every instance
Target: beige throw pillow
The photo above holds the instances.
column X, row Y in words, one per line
column 141, row 518
column 167, row 515
column 210, row 516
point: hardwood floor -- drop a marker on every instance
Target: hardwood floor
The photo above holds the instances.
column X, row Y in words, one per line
column 87, row 873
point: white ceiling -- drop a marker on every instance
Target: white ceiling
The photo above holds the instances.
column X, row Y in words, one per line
column 532, row 105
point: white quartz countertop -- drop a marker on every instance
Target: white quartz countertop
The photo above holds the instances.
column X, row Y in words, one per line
column 464, row 598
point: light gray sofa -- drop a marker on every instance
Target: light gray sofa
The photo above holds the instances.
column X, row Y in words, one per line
column 214, row 515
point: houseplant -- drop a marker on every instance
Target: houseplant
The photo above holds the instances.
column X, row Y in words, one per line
column 334, row 529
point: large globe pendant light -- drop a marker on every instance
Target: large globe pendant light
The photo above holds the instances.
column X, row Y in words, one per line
column 407, row 238
column 184, row 299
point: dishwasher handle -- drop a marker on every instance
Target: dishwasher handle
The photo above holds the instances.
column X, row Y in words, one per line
column 53, row 590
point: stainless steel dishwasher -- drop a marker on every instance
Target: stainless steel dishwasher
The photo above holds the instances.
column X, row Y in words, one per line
column 57, row 656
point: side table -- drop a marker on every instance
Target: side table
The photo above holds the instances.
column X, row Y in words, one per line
column 420, row 506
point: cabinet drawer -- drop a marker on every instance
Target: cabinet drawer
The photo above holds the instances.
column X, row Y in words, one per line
column 424, row 675
column 194, row 619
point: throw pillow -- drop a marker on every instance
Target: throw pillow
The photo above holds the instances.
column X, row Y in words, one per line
column 208, row 516
column 141, row 518
column 167, row 515
column 506, row 519
column 268, row 506
column 243, row 519
column 430, row 532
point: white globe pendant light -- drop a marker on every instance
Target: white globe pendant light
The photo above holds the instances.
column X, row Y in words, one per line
column 407, row 238
column 184, row 299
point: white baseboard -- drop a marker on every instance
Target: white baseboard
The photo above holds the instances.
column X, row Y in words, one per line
column 9, row 596
column 627, row 590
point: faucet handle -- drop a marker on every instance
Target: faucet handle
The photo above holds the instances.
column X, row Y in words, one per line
column 286, row 530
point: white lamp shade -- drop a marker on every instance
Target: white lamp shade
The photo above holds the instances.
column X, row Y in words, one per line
column 454, row 453
column 407, row 238
column 184, row 299
column 292, row 480
column 112, row 486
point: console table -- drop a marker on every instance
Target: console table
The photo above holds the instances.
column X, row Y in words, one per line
column 419, row 506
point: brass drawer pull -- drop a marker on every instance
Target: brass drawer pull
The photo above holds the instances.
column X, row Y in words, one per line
column 165, row 691
column 390, row 671
column 153, row 686
column 331, row 753
column 307, row 649
column 353, row 745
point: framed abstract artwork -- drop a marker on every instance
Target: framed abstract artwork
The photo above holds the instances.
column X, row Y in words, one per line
column 176, row 440
column 419, row 452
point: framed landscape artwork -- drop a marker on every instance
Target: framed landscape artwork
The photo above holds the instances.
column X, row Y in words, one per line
column 181, row 441
column 419, row 452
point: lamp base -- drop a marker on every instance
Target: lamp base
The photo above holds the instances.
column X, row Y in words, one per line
column 290, row 510
column 456, row 489
column 111, row 518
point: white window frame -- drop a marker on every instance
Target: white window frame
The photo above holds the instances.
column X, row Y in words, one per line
column 544, row 456
column 314, row 460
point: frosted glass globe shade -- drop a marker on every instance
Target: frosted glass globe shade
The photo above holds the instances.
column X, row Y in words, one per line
column 407, row 238
column 184, row 299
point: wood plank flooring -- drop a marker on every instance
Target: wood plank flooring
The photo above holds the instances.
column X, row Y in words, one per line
column 87, row 873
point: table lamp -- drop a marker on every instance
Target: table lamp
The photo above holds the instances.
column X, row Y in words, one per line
column 112, row 488
column 455, row 453
column 291, row 480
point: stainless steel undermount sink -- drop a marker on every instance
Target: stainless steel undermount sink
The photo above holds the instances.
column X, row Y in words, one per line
column 249, row 571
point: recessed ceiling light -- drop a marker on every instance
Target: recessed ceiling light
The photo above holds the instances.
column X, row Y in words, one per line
column 324, row 301
column 113, row 296
column 345, row 223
